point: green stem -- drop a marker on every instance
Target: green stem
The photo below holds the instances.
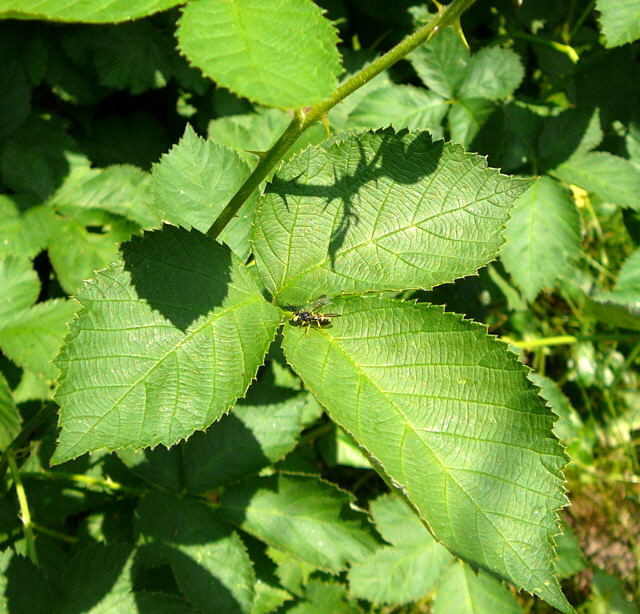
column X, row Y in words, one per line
column 570, row 339
column 582, row 18
column 55, row 534
column 567, row 50
column 303, row 119
column 25, row 514
column 85, row 481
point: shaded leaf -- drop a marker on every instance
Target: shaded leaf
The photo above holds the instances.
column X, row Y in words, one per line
column 304, row 516
column 9, row 415
column 260, row 430
column 169, row 337
column 23, row 586
column 542, row 237
column 461, row 433
column 208, row 559
column 468, row 117
column 324, row 598
column 263, row 51
column 612, row 178
column 378, row 211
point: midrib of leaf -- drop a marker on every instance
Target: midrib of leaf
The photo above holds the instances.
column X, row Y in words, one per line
column 374, row 240
column 407, row 425
column 169, row 353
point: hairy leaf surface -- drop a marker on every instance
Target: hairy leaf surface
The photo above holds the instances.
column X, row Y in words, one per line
column 85, row 11
column 448, row 417
column 208, row 558
column 304, row 516
column 379, row 211
column 543, row 237
column 169, row 337
column 280, row 53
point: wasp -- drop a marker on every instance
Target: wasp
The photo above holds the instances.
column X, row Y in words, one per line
column 308, row 317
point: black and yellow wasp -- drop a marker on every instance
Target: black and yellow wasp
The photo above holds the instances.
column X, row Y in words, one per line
column 308, row 316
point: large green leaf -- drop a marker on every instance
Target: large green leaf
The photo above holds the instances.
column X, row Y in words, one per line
column 280, row 53
column 169, row 337
column 379, row 211
column 32, row 337
column 406, row 571
column 401, row 106
column 614, row 179
column 19, row 285
column 543, row 237
column 620, row 20
column 464, row 592
column 208, row 558
column 304, row 516
column 448, row 417
column 86, row 11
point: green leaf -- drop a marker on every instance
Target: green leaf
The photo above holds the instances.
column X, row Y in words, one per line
column 627, row 287
column 493, row 73
column 23, row 586
column 99, row 580
column 160, row 467
column 195, row 180
column 281, row 53
column 322, row 598
column 401, row 106
column 379, row 211
column 337, row 448
column 406, row 571
column 85, row 11
column 9, row 415
column 612, row 178
column 309, row 518
column 169, row 337
column 24, row 233
column 542, row 237
column 448, row 417
column 76, row 252
column 123, row 190
column 468, row 117
column 32, row 337
column 162, row 604
column 35, row 158
column 571, row 132
column 441, row 63
column 620, row 21
column 522, row 126
column 260, row 430
column 19, row 285
column 570, row 559
column 464, row 592
column 208, row 559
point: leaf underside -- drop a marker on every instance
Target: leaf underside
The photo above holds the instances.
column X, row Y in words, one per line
column 448, row 417
column 169, row 337
column 379, row 211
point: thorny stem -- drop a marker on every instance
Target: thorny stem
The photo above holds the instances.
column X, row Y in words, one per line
column 302, row 119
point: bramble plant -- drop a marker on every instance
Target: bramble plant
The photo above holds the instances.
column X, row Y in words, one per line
column 163, row 304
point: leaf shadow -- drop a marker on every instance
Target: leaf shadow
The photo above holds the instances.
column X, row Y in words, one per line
column 182, row 274
column 401, row 161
